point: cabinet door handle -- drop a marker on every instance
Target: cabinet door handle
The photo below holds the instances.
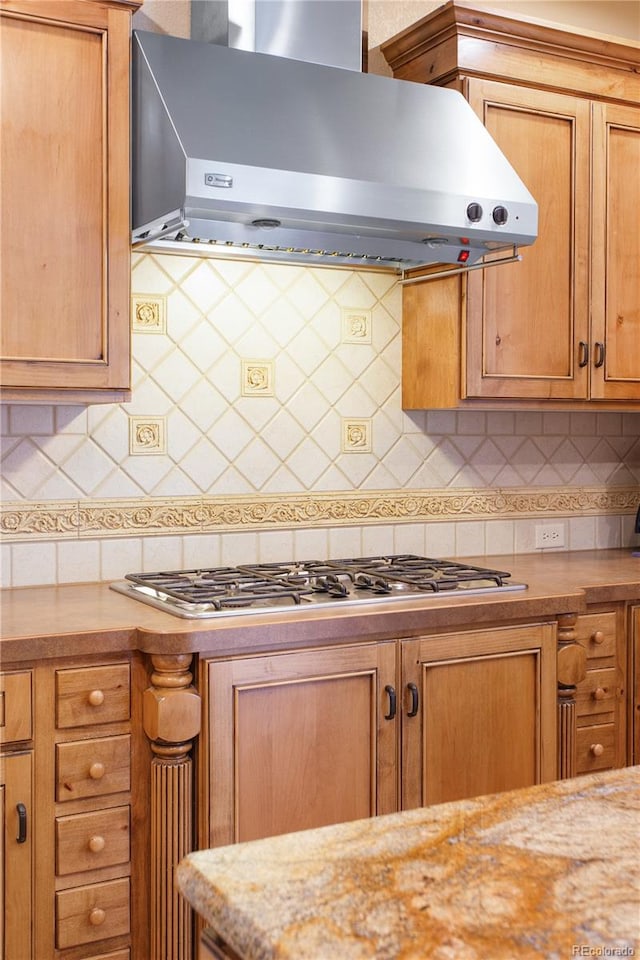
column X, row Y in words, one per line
column 583, row 347
column 415, row 700
column 21, row 810
column 392, row 702
column 599, row 360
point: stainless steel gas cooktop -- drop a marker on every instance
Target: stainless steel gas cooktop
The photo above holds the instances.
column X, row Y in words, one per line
column 313, row 584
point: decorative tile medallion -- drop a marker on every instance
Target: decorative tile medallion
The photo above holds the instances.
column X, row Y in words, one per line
column 147, row 435
column 356, row 325
column 356, row 436
column 148, row 313
column 257, row 378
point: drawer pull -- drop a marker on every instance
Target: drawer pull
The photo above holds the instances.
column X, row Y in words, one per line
column 596, row 749
column 97, row 770
column 597, row 636
column 599, row 693
column 96, row 698
column 21, row 810
column 96, row 844
column 97, row 917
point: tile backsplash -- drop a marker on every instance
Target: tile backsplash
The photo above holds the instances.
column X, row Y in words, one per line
column 266, row 412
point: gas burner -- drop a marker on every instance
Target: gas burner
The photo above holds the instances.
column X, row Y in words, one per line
column 264, row 587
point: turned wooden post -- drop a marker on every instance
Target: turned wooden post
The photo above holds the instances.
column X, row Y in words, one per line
column 171, row 719
column 571, row 669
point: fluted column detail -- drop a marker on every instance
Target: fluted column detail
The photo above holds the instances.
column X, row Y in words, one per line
column 171, row 717
column 571, row 669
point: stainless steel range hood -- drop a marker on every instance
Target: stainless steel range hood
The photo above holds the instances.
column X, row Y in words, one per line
column 248, row 154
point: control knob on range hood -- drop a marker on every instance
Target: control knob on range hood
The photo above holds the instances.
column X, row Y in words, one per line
column 260, row 155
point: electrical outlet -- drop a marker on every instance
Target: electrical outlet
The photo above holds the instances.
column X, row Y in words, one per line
column 549, row 535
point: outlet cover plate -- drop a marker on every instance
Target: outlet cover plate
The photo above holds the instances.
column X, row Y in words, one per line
column 549, row 536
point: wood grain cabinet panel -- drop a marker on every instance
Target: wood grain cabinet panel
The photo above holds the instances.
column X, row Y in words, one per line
column 484, row 713
column 92, row 695
column 601, row 698
column 562, row 327
column 16, row 857
column 64, row 152
column 89, row 841
column 596, row 747
column 16, row 722
column 93, row 912
column 93, row 768
column 299, row 740
column 616, row 252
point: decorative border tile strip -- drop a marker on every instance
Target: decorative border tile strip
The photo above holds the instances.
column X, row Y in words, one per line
column 21, row 521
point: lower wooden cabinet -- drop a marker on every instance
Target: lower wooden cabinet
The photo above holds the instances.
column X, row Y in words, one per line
column 300, row 740
column 75, row 877
column 478, row 713
column 601, row 700
column 634, row 697
column 16, row 856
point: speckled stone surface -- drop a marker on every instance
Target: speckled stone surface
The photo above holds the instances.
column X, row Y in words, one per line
column 550, row 872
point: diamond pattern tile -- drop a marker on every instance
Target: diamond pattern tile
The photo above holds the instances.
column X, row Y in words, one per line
column 222, row 313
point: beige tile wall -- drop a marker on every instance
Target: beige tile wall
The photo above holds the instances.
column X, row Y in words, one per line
column 266, row 422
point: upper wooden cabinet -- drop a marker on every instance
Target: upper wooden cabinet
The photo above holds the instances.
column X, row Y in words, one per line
column 562, row 326
column 65, row 261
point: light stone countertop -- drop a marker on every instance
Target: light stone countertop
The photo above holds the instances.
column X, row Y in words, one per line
column 551, row 871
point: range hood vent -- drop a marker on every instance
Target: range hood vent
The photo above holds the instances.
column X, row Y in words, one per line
column 252, row 155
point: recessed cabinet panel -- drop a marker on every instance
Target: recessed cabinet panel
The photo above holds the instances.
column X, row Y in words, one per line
column 300, row 740
column 525, row 320
column 64, row 195
column 616, row 252
column 49, row 163
column 15, row 707
column 16, row 856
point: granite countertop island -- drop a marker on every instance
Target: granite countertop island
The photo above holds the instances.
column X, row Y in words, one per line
column 551, row 871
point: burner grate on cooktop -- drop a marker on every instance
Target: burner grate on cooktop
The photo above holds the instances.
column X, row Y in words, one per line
column 207, row 591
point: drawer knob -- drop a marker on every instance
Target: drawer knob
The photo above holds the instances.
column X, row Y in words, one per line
column 97, row 917
column 599, row 693
column 96, row 770
column 597, row 636
column 96, row 844
column 96, row 698
column 597, row 749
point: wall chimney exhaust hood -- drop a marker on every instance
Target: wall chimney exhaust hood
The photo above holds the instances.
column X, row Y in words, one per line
column 247, row 154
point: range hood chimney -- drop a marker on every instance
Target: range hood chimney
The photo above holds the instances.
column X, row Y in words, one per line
column 249, row 154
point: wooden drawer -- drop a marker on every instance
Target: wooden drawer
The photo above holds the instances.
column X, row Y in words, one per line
column 114, row 955
column 15, row 707
column 93, row 695
column 92, row 768
column 597, row 693
column 597, row 633
column 94, row 912
column 596, row 747
column 88, row 841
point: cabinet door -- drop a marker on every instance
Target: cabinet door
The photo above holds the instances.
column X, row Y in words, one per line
column 299, row 740
column 16, row 857
column 65, row 270
column 526, row 321
column 634, row 700
column 615, row 367
column 479, row 716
